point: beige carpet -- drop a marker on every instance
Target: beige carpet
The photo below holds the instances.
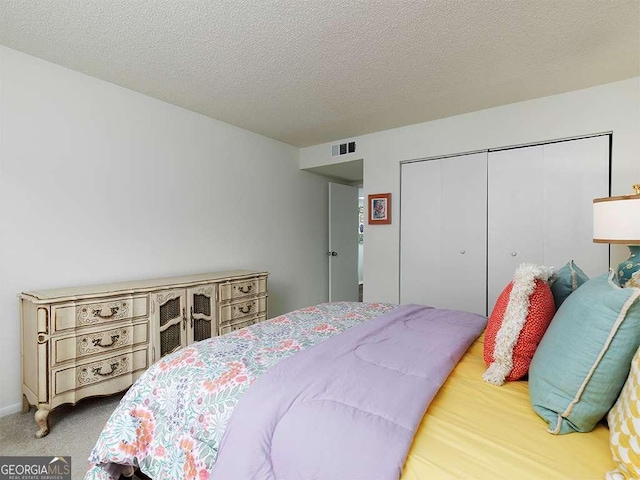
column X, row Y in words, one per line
column 73, row 431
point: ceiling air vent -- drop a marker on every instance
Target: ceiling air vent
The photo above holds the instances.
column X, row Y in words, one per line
column 343, row 149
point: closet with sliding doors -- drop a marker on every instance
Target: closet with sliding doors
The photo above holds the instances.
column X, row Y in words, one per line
column 467, row 221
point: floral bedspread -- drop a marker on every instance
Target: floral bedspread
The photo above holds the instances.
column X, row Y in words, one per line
column 171, row 421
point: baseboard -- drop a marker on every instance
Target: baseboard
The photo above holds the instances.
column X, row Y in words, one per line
column 8, row 410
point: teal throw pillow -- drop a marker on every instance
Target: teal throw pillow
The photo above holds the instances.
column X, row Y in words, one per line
column 585, row 355
column 567, row 280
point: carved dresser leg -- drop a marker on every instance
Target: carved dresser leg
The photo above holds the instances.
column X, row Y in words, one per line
column 43, row 423
column 25, row 404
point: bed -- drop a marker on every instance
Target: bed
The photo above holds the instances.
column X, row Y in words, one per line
column 476, row 430
column 172, row 422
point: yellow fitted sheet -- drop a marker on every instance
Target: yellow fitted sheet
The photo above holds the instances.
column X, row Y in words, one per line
column 474, row 430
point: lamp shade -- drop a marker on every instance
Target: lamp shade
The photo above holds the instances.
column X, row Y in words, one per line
column 617, row 220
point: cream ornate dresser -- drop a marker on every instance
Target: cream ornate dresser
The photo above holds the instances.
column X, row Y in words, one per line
column 97, row 340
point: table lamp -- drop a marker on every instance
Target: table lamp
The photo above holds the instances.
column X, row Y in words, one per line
column 617, row 220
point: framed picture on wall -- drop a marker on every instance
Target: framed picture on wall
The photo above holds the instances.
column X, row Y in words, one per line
column 380, row 209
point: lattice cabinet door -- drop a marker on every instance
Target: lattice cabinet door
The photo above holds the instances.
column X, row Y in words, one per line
column 168, row 322
column 201, row 311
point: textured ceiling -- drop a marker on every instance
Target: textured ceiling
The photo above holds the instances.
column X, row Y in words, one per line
column 308, row 72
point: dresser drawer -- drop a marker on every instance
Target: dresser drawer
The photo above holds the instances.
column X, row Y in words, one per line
column 100, row 341
column 78, row 376
column 245, row 308
column 84, row 314
column 237, row 325
column 242, row 288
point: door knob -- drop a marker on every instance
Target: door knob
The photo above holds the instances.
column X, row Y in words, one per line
column 332, row 254
column 462, row 252
column 514, row 254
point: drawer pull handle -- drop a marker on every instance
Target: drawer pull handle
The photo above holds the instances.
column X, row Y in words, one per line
column 245, row 288
column 246, row 308
column 98, row 370
column 98, row 341
column 98, row 313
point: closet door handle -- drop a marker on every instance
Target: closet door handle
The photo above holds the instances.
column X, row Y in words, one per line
column 462, row 252
column 514, row 254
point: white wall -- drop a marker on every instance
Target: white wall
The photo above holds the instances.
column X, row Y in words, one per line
column 99, row 184
column 614, row 107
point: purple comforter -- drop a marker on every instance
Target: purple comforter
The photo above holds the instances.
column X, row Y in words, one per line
column 348, row 407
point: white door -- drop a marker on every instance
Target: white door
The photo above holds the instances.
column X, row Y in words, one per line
column 464, row 233
column 443, row 218
column 420, row 218
column 568, row 212
column 515, row 214
column 540, row 208
column 343, row 243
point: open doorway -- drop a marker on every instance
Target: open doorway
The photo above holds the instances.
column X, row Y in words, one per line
column 360, row 243
column 343, row 243
column 348, row 173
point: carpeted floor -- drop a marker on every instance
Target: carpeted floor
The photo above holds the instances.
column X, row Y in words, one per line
column 72, row 431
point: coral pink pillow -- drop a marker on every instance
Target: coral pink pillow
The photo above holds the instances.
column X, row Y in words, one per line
column 519, row 319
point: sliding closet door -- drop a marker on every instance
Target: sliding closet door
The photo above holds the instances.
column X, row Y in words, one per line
column 540, row 208
column 575, row 173
column 515, row 214
column 443, row 233
column 420, row 217
column 463, row 247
